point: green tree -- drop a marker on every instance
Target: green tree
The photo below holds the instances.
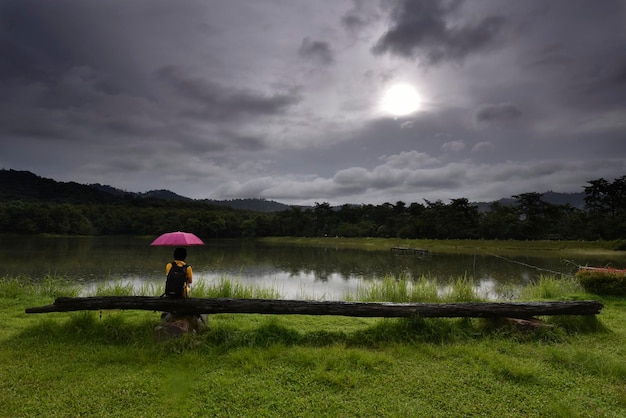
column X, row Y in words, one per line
column 248, row 228
column 324, row 220
column 500, row 222
column 606, row 198
column 606, row 202
column 532, row 210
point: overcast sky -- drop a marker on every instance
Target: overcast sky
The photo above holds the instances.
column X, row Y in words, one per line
column 285, row 99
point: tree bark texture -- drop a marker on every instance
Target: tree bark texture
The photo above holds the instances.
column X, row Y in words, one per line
column 192, row 306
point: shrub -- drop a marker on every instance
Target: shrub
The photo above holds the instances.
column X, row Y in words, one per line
column 606, row 282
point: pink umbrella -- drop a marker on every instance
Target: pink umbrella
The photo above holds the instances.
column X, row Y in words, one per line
column 177, row 239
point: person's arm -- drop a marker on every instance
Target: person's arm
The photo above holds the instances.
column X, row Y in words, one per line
column 189, row 275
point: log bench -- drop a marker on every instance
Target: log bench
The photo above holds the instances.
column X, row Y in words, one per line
column 197, row 306
column 189, row 315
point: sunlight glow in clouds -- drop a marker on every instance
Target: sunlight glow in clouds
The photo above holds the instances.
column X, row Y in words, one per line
column 401, row 100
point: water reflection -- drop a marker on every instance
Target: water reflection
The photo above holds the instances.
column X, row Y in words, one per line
column 295, row 272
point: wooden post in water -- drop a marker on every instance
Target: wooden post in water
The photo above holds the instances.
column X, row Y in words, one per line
column 408, row 250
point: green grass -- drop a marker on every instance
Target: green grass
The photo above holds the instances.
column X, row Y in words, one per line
column 508, row 247
column 106, row 364
column 50, row 286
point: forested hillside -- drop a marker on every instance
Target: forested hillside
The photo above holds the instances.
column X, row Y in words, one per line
column 31, row 204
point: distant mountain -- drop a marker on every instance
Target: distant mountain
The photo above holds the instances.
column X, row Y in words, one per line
column 152, row 194
column 164, row 195
column 24, row 185
column 256, row 205
column 109, row 189
column 576, row 200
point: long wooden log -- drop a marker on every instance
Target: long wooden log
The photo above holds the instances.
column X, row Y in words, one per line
column 194, row 306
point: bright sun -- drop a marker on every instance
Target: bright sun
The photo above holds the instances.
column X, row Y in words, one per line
column 401, row 100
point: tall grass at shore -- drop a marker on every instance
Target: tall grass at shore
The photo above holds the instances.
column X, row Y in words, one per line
column 223, row 288
column 404, row 289
column 551, row 287
column 230, row 288
column 391, row 288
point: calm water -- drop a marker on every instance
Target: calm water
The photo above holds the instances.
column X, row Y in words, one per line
column 296, row 272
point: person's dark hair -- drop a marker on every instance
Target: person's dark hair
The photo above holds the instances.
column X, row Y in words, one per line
column 180, row 254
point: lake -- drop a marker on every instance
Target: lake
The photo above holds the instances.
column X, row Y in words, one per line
column 296, row 272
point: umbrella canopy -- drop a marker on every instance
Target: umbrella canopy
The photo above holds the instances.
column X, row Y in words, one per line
column 177, row 239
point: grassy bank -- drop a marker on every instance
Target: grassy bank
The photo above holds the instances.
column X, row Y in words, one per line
column 558, row 248
column 105, row 364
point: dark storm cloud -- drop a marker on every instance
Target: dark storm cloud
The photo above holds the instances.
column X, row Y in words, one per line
column 316, row 51
column 426, row 30
column 243, row 142
column 72, row 107
column 68, row 73
column 502, row 112
column 281, row 100
column 359, row 16
column 42, row 40
column 574, row 52
column 600, row 83
column 35, row 42
column 619, row 76
column 215, row 102
column 353, row 22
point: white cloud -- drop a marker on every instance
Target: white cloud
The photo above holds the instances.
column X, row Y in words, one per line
column 389, row 182
column 482, row 147
column 453, row 146
column 409, row 160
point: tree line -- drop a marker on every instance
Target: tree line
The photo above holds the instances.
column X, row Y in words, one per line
column 530, row 217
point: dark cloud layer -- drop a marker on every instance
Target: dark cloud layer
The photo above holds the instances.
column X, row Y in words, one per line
column 281, row 100
column 428, row 30
column 317, row 51
column 496, row 113
column 218, row 103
